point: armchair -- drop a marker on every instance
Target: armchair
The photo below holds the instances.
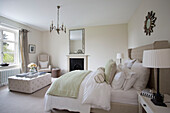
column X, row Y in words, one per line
column 44, row 63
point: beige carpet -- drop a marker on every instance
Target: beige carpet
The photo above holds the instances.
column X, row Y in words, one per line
column 15, row 102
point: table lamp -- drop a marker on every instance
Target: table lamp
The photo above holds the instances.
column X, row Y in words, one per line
column 159, row 58
column 119, row 56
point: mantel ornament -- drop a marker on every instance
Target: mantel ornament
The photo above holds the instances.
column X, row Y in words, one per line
column 149, row 23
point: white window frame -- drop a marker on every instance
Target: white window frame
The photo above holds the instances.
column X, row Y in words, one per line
column 16, row 44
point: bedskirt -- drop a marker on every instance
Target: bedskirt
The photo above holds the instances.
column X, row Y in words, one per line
column 118, row 108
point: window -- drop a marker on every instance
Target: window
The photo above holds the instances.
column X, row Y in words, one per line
column 9, row 46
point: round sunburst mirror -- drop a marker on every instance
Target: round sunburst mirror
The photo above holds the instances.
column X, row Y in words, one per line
column 149, row 23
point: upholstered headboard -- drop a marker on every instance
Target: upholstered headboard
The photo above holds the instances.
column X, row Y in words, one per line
column 137, row 53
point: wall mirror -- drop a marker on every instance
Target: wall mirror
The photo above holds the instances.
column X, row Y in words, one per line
column 76, row 41
column 149, row 23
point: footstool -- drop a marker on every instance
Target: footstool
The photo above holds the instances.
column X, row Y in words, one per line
column 29, row 85
column 55, row 72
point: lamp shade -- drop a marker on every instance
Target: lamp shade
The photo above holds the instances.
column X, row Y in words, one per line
column 159, row 58
column 119, row 55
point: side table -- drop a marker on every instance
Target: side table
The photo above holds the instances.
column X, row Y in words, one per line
column 55, row 72
column 145, row 104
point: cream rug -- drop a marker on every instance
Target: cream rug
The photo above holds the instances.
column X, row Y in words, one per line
column 15, row 102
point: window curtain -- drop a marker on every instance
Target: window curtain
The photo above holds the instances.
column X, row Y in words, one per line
column 23, row 40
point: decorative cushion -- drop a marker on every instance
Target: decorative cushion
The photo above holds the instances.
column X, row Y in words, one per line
column 130, row 78
column 110, row 70
column 99, row 77
column 118, row 80
column 43, row 64
column 129, row 63
column 101, row 68
column 142, row 75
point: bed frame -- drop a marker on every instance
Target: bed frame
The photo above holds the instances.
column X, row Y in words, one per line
column 137, row 53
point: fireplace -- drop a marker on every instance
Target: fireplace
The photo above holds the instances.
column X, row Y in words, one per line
column 76, row 64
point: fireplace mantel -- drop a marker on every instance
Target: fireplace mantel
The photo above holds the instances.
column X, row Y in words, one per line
column 85, row 57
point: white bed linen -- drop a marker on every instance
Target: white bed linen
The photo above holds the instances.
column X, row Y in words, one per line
column 93, row 95
column 122, row 96
column 70, row 104
column 97, row 94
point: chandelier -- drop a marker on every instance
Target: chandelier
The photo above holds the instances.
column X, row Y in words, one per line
column 59, row 28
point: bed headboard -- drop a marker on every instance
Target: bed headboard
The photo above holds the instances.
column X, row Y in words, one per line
column 137, row 53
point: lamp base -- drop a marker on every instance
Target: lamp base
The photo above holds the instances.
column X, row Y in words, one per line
column 158, row 100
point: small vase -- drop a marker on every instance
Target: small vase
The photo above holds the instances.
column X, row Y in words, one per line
column 32, row 70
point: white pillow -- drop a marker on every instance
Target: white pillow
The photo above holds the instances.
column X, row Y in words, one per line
column 43, row 64
column 118, row 80
column 130, row 78
column 129, row 63
column 119, row 67
column 142, row 75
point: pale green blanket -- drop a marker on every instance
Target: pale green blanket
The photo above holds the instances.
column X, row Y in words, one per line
column 68, row 84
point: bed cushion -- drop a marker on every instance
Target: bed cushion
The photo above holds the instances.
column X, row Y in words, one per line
column 129, row 83
column 118, row 80
column 99, row 77
column 101, row 68
column 142, row 75
column 129, row 63
column 110, row 70
column 130, row 78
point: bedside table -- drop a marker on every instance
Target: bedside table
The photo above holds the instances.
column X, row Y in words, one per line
column 145, row 104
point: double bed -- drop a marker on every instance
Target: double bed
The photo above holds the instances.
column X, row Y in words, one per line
column 120, row 101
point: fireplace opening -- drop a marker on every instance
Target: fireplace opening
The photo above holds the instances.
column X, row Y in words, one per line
column 76, row 64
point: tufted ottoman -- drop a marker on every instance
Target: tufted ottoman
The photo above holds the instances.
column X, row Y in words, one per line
column 29, row 85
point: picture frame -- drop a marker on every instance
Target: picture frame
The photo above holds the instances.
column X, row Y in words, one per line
column 32, row 48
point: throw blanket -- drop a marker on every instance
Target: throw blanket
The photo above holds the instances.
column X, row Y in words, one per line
column 68, row 84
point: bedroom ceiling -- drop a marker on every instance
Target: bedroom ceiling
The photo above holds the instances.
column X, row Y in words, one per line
column 74, row 13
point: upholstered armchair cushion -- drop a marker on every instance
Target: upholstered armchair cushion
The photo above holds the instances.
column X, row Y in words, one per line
column 48, row 69
column 43, row 63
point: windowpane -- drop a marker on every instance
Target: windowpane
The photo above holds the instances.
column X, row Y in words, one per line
column 8, row 58
column 8, row 47
column 8, row 36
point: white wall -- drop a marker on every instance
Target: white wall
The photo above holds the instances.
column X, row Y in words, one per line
column 57, row 46
column 136, row 35
column 101, row 44
column 34, row 36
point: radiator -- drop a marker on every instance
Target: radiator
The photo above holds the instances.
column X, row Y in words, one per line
column 4, row 74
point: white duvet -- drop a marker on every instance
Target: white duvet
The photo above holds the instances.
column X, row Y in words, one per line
column 91, row 94
column 96, row 94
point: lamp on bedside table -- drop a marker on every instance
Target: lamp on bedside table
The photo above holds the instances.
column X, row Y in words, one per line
column 119, row 56
column 159, row 58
